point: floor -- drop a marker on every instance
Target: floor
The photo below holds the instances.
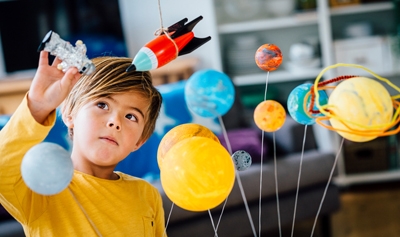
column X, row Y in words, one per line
column 302, row 229
column 371, row 210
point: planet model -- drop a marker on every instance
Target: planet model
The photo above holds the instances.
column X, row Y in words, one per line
column 360, row 108
column 242, row 160
column 209, row 93
column 295, row 104
column 47, row 168
column 268, row 57
column 180, row 133
column 269, row 115
column 198, row 174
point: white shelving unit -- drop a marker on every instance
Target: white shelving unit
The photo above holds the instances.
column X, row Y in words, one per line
column 321, row 19
column 300, row 19
column 296, row 20
column 264, row 25
column 359, row 9
column 342, row 178
column 274, row 77
column 320, row 22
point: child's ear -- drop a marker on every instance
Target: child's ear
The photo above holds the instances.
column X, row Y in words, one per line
column 68, row 120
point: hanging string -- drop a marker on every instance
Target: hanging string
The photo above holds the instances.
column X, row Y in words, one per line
column 259, row 199
column 237, row 178
column 276, row 188
column 266, row 86
column 161, row 19
column 228, row 144
column 220, row 216
column 298, row 179
column 84, row 212
column 212, row 223
column 169, row 216
column 261, row 162
column 327, row 186
column 162, row 30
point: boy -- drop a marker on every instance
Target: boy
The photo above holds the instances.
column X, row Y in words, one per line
column 109, row 114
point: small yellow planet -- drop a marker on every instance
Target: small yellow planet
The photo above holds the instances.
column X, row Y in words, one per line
column 269, row 115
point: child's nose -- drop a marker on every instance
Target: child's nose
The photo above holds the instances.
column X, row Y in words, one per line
column 113, row 122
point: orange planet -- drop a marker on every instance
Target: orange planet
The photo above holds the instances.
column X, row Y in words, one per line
column 268, row 57
column 269, row 116
column 180, row 133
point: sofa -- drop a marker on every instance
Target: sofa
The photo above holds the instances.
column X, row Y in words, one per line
column 285, row 145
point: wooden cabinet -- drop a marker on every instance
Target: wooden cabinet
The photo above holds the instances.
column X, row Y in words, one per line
column 12, row 91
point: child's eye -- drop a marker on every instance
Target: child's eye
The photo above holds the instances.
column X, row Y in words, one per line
column 102, row 105
column 131, row 117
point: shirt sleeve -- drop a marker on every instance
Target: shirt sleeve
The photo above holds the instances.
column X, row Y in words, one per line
column 20, row 134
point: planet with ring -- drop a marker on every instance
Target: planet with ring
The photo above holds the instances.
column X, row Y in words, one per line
column 360, row 107
column 298, row 109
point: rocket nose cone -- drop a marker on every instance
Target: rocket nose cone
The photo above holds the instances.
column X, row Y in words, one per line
column 132, row 67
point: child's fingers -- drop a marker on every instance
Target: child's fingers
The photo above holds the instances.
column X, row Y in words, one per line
column 70, row 78
column 76, row 77
column 43, row 58
column 56, row 62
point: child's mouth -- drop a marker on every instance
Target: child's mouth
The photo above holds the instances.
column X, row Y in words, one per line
column 109, row 139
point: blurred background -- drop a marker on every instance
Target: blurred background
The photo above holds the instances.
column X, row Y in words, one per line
column 312, row 34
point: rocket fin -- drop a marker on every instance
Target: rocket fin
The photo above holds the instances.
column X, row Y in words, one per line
column 186, row 28
column 177, row 25
column 193, row 45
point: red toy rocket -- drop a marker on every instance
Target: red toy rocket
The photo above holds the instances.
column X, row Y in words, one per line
column 180, row 40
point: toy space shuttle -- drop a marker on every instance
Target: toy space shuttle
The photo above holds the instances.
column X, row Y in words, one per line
column 178, row 41
column 71, row 56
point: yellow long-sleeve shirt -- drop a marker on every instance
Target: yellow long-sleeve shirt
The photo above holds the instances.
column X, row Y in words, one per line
column 128, row 206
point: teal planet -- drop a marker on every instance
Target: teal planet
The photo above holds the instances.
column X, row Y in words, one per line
column 295, row 104
column 209, row 93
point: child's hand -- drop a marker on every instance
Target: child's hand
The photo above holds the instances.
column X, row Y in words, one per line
column 49, row 87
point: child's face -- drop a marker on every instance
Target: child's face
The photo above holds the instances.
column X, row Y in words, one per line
column 106, row 130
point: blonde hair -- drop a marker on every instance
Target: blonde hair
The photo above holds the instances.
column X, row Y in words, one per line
column 110, row 77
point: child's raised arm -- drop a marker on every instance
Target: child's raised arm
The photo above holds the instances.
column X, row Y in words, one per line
column 50, row 87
